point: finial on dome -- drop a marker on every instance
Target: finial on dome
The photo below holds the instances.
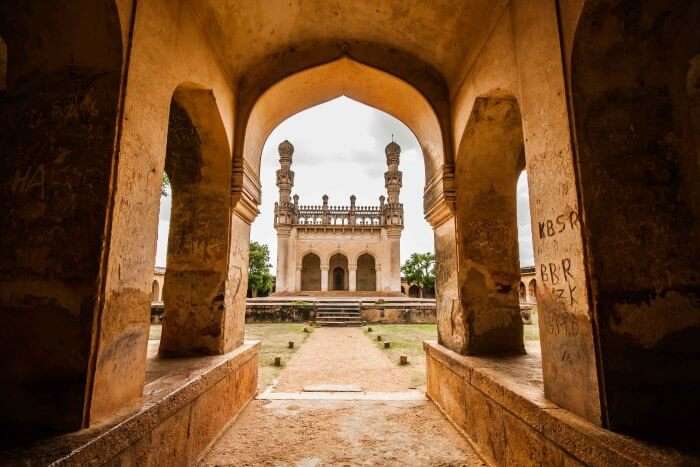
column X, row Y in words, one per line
column 285, row 147
column 392, row 148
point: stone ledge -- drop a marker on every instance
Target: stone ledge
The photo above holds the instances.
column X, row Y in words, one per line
column 499, row 405
column 183, row 413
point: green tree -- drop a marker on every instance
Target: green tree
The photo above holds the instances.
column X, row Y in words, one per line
column 419, row 269
column 260, row 279
column 164, row 185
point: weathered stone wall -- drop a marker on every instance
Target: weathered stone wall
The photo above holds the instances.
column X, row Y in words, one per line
column 498, row 406
column 635, row 87
column 412, row 314
column 57, row 127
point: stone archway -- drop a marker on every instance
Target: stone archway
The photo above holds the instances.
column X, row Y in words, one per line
column 366, row 273
column 522, row 292
column 311, row 272
column 338, row 272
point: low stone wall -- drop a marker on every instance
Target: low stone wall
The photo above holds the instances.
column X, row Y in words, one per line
column 181, row 417
column 279, row 313
column 505, row 416
column 372, row 312
column 403, row 315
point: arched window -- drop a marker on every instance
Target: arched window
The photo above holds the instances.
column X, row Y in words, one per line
column 521, row 292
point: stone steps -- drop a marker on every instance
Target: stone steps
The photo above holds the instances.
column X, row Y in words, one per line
column 339, row 314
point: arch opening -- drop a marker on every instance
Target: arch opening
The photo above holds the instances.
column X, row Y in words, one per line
column 345, row 77
column 366, row 273
column 338, row 270
column 311, row 272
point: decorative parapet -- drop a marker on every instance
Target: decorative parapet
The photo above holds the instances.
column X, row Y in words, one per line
column 383, row 215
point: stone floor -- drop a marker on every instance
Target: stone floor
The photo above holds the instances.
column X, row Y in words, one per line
column 341, row 433
column 384, row 426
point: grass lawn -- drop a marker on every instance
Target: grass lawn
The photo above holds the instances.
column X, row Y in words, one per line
column 406, row 339
column 274, row 339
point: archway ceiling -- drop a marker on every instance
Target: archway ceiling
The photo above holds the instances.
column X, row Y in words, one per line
column 445, row 34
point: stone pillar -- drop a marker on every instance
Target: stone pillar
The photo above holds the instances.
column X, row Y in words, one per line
column 324, row 278
column 283, row 283
column 378, row 268
column 298, row 278
column 58, row 131
column 393, row 281
column 439, row 213
column 352, row 279
column 201, row 228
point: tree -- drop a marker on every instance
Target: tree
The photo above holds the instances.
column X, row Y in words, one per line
column 164, row 185
column 419, row 269
column 259, row 276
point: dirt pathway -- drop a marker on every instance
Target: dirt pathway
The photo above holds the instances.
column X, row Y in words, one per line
column 342, row 356
column 333, row 433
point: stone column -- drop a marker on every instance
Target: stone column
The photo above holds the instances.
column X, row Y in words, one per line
column 440, row 212
column 283, row 283
column 378, row 269
column 393, row 282
column 298, row 278
column 352, row 278
column 58, row 331
column 324, row 278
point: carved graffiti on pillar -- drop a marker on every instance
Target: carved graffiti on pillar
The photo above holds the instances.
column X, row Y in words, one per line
column 559, row 278
column 31, row 179
column 561, row 223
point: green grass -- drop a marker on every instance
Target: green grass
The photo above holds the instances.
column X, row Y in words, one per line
column 406, row 339
column 274, row 339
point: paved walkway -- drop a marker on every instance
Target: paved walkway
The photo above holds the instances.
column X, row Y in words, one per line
column 342, row 356
column 384, row 429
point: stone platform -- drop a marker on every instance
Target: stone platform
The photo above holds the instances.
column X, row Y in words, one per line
column 498, row 404
column 188, row 403
column 389, row 309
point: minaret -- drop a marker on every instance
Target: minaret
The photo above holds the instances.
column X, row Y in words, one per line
column 393, row 215
column 284, row 216
column 392, row 177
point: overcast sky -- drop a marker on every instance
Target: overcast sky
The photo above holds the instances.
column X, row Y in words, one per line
column 339, row 151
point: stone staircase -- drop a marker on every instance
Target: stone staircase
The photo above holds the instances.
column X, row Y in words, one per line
column 339, row 313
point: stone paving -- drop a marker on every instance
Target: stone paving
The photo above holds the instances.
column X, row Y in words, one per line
column 384, row 424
